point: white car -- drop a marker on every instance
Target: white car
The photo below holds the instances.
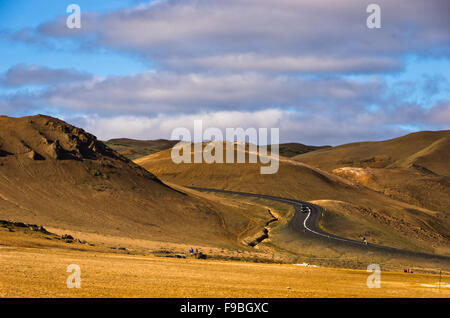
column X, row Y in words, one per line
column 305, row 209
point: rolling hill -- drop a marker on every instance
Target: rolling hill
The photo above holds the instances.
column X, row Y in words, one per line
column 414, row 168
column 133, row 149
column 56, row 175
column 393, row 223
column 293, row 149
column 425, row 150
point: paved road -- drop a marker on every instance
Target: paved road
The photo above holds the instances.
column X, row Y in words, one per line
column 308, row 223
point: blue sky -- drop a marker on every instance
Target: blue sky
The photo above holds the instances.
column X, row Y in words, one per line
column 140, row 69
column 20, row 14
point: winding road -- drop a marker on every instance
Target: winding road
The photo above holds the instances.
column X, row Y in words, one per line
column 308, row 223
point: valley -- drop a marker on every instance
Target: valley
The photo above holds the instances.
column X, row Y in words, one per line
column 65, row 195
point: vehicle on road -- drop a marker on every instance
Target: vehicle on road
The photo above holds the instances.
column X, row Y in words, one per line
column 305, row 209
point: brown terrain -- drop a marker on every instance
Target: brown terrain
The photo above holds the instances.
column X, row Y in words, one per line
column 58, row 176
column 383, row 219
column 133, row 149
column 425, row 151
column 293, row 149
column 414, row 168
column 66, row 197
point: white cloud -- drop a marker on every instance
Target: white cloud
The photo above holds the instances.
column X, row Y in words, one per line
column 161, row 126
column 165, row 92
column 440, row 114
column 22, row 75
column 316, row 130
column 283, row 35
column 252, row 62
column 241, row 63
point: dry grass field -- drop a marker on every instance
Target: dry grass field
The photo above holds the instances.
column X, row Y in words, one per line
column 33, row 264
column 34, row 272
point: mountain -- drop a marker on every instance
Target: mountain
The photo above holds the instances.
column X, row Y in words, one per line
column 293, row 149
column 133, row 149
column 355, row 210
column 426, row 150
column 414, row 168
column 56, row 175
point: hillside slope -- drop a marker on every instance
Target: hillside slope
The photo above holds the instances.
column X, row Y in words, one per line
column 293, row 149
column 425, row 149
column 414, row 227
column 59, row 176
column 414, row 168
column 133, row 149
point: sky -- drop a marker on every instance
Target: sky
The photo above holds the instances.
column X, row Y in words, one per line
column 313, row 69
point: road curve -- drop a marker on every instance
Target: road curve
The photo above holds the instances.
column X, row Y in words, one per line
column 309, row 223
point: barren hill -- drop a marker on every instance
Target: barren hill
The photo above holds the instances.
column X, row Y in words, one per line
column 59, row 176
column 392, row 222
column 293, row 149
column 293, row 179
column 133, row 149
column 429, row 150
column 414, row 168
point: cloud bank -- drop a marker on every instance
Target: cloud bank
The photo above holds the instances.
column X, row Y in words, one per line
column 312, row 68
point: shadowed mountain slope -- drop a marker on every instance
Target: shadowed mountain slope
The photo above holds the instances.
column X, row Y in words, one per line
column 133, row 149
column 56, row 175
column 293, row 149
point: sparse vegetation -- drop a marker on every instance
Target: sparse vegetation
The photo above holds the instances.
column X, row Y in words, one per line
column 92, row 205
column 133, row 149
